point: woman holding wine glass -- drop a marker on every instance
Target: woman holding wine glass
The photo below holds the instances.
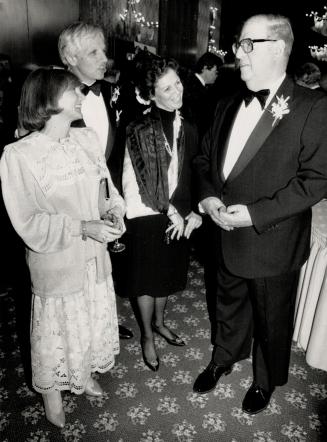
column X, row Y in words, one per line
column 157, row 190
column 54, row 184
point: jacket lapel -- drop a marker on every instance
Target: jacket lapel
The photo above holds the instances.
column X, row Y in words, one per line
column 106, row 94
column 262, row 130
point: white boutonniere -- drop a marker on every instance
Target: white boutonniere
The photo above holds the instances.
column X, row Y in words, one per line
column 279, row 108
column 118, row 115
column 115, row 95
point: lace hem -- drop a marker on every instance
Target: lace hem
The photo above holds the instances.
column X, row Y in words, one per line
column 74, row 336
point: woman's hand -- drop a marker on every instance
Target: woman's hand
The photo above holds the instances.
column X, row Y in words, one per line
column 114, row 218
column 102, row 231
column 193, row 221
column 177, row 227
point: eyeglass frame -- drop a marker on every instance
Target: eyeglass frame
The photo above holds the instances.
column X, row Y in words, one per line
column 238, row 44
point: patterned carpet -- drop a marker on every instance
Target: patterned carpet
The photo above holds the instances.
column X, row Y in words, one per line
column 142, row 406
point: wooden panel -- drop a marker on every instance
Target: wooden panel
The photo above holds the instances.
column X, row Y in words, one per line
column 178, row 30
column 101, row 12
column 107, row 14
column 184, row 26
column 14, row 30
column 29, row 29
column 204, row 23
column 46, row 20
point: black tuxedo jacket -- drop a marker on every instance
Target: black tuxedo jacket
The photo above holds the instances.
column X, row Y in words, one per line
column 280, row 174
column 106, row 94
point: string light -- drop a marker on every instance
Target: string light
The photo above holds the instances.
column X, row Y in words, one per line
column 319, row 52
column 211, row 40
column 320, row 26
column 138, row 16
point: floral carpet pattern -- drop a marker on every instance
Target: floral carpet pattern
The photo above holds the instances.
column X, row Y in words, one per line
column 142, row 406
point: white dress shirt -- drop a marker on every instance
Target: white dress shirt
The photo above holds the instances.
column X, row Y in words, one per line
column 198, row 76
column 245, row 121
column 95, row 116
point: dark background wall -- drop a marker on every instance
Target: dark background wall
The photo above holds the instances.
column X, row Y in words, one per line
column 233, row 14
column 29, row 28
column 184, row 26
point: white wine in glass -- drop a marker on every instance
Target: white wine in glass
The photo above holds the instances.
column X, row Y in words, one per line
column 116, row 246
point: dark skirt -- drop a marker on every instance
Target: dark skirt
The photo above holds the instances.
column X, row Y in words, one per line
column 152, row 267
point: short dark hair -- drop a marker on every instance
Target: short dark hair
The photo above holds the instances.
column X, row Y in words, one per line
column 149, row 73
column 309, row 73
column 40, row 94
column 208, row 59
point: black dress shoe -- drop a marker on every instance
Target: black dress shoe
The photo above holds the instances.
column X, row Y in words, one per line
column 256, row 399
column 153, row 365
column 124, row 333
column 207, row 380
column 177, row 341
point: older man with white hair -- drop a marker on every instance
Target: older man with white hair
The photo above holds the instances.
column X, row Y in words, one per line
column 82, row 48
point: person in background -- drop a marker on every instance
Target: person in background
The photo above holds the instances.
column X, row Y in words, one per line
column 82, row 48
column 323, row 82
column 51, row 181
column 199, row 102
column 262, row 165
column 308, row 75
column 198, row 106
column 157, row 190
column 128, row 106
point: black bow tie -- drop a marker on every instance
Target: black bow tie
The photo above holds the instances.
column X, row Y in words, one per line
column 95, row 88
column 261, row 96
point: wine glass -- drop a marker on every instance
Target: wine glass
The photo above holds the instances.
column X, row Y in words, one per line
column 116, row 246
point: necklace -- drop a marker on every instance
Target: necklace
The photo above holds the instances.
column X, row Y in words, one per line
column 167, row 146
column 176, row 124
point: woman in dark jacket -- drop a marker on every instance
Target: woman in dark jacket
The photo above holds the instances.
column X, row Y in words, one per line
column 157, row 190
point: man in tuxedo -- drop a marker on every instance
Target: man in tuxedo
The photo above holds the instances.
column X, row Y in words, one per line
column 262, row 165
column 82, row 48
column 198, row 103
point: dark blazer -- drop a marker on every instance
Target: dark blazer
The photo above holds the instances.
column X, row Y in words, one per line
column 198, row 105
column 280, row 174
column 106, row 94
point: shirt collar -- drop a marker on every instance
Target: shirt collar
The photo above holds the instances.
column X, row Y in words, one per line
column 200, row 78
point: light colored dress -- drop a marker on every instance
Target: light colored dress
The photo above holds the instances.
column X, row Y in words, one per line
column 48, row 188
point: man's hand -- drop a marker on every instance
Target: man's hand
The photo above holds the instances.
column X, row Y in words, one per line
column 214, row 207
column 237, row 216
column 193, row 221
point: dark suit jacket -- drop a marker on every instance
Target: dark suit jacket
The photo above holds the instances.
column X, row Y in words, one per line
column 280, row 174
column 106, row 93
column 198, row 106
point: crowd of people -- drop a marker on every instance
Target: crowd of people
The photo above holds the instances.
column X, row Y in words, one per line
column 145, row 163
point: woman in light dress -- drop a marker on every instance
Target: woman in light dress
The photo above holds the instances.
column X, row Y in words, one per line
column 56, row 188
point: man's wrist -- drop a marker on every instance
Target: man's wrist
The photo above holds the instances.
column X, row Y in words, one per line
column 171, row 210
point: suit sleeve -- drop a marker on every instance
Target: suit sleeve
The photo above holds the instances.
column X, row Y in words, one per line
column 203, row 163
column 309, row 185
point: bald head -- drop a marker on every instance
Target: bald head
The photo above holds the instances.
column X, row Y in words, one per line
column 263, row 50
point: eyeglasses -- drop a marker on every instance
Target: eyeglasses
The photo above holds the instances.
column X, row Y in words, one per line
column 247, row 44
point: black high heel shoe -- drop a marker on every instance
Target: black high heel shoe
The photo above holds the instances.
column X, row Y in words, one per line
column 177, row 341
column 153, row 365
